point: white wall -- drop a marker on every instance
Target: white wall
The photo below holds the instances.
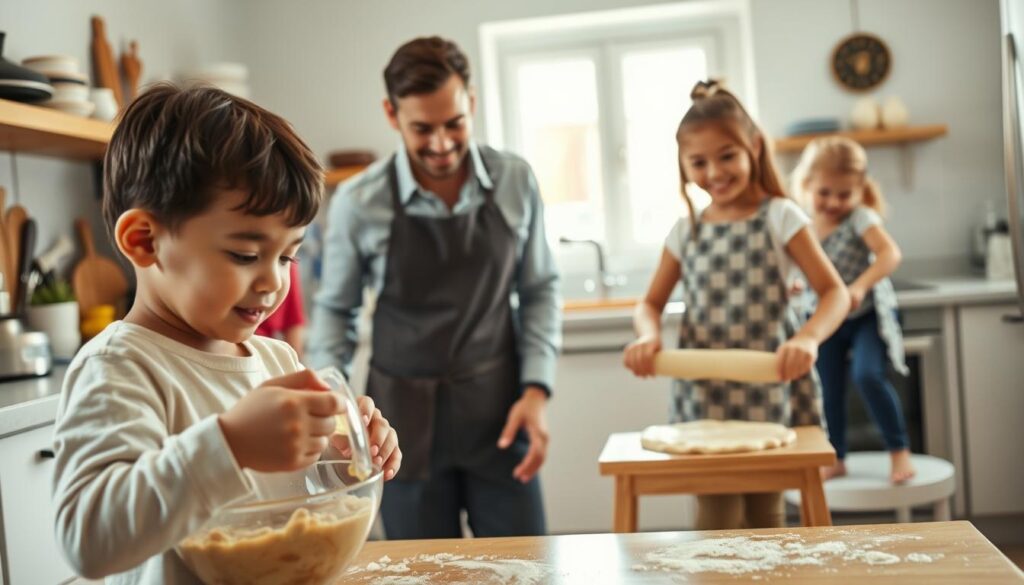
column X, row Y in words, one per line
column 171, row 35
column 319, row 63
column 946, row 68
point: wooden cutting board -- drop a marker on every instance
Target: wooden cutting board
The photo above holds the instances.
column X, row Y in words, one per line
column 103, row 60
column 14, row 222
column 96, row 280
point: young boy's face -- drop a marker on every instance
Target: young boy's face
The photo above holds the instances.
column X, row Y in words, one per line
column 224, row 271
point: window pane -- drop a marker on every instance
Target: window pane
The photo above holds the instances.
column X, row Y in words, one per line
column 656, row 87
column 558, row 129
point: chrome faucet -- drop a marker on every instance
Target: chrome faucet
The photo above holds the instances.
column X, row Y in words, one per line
column 605, row 281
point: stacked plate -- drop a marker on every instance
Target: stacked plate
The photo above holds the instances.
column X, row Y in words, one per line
column 812, row 126
column 70, row 86
column 230, row 77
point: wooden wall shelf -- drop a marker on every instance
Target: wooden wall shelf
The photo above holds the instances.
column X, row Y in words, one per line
column 335, row 176
column 896, row 136
column 36, row 130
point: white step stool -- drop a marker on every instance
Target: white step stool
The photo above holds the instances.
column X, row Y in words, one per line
column 866, row 486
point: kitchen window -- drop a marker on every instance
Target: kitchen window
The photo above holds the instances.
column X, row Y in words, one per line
column 592, row 102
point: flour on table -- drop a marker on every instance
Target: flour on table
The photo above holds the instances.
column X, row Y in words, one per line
column 766, row 553
column 444, row 567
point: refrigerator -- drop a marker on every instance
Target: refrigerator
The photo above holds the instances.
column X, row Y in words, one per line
column 1012, row 44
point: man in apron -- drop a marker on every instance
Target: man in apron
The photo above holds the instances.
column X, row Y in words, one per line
column 450, row 237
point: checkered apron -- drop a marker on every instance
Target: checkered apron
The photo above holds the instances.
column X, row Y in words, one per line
column 735, row 298
column 851, row 257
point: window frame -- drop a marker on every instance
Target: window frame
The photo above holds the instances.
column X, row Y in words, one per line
column 722, row 27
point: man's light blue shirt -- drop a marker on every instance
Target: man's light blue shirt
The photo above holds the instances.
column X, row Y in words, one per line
column 356, row 247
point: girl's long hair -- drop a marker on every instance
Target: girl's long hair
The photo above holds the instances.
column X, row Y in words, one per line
column 713, row 104
column 839, row 155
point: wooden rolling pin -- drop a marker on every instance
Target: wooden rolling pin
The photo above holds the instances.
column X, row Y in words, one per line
column 739, row 365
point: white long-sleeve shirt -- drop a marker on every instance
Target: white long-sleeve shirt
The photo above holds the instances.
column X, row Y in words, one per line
column 141, row 461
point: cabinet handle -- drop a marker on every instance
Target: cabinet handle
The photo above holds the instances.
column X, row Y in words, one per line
column 45, row 454
column 1014, row 319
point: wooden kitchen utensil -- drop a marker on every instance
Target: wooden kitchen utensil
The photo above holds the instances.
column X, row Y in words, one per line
column 14, row 220
column 103, row 60
column 740, row 365
column 5, row 254
column 96, row 280
column 131, row 66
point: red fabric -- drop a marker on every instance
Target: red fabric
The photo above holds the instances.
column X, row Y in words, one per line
column 289, row 314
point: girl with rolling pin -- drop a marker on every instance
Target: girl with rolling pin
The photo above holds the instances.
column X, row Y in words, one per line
column 733, row 258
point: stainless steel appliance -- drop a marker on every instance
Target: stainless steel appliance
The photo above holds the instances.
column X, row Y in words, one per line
column 1012, row 16
column 23, row 353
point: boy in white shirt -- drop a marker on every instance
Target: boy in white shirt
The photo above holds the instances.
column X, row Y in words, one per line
column 208, row 196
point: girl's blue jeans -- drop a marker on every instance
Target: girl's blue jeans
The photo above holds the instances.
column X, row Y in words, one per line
column 859, row 339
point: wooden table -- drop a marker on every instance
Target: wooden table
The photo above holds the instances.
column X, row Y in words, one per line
column 959, row 555
column 639, row 472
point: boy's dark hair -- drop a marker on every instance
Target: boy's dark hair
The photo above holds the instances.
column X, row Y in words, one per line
column 423, row 65
column 173, row 147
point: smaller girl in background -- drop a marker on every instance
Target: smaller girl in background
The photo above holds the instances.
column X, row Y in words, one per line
column 732, row 259
column 848, row 207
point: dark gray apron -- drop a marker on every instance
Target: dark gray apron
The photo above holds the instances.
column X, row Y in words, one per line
column 444, row 368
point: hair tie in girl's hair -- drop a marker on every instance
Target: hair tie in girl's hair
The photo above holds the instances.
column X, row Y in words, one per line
column 705, row 89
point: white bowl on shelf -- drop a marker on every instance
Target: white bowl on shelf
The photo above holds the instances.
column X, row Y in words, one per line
column 64, row 91
column 52, row 63
column 75, row 108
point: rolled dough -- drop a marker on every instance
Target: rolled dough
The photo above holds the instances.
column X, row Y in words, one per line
column 713, row 436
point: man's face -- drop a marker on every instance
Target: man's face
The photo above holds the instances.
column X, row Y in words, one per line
column 435, row 127
column 223, row 272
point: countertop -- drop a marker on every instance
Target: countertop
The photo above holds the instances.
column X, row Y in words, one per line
column 957, row 289
column 934, row 553
column 29, row 402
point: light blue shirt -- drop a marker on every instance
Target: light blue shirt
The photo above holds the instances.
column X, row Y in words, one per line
column 356, row 249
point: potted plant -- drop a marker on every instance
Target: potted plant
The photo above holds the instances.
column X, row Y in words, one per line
column 54, row 311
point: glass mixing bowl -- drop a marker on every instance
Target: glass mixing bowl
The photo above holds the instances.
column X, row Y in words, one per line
column 301, row 527
column 309, row 537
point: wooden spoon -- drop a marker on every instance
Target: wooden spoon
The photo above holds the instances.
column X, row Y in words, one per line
column 5, row 262
column 132, row 68
column 14, row 221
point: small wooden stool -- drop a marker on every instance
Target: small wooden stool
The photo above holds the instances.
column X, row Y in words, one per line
column 866, row 486
column 639, row 472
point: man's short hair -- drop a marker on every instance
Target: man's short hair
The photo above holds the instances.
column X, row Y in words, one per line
column 422, row 66
column 174, row 148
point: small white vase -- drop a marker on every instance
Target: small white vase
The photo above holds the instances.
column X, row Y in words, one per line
column 864, row 115
column 894, row 113
column 106, row 105
column 59, row 321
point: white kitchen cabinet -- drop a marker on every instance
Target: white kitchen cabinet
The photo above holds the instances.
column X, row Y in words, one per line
column 30, row 552
column 595, row 396
column 992, row 369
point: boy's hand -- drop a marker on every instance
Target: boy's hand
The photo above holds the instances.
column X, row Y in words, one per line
column 283, row 424
column 384, row 448
column 639, row 355
column 857, row 294
column 528, row 412
column 796, row 357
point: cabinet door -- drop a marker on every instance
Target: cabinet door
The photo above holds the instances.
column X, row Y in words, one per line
column 595, row 396
column 31, row 553
column 992, row 364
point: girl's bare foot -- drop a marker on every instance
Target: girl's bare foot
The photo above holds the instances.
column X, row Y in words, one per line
column 902, row 467
column 837, row 470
